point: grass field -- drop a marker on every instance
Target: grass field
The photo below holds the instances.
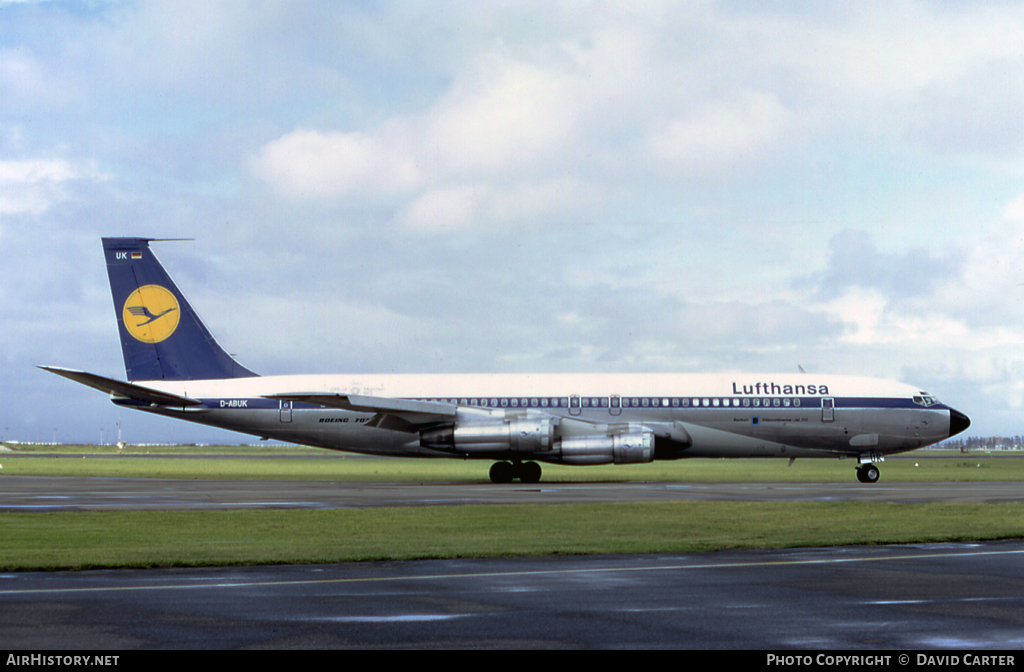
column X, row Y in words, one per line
column 78, row 540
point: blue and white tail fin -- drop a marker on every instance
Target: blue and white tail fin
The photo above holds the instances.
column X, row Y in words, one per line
column 162, row 338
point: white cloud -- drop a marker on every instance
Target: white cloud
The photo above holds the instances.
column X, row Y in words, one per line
column 518, row 206
column 942, row 73
column 989, row 292
column 315, row 164
column 502, row 117
column 873, row 319
column 20, row 74
column 608, row 97
column 722, row 135
column 445, row 209
column 33, row 186
column 906, row 47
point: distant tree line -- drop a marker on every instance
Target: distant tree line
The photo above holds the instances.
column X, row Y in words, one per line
column 985, row 443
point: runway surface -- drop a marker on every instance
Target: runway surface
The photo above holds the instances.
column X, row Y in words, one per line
column 965, row 597
column 46, row 493
column 62, row 494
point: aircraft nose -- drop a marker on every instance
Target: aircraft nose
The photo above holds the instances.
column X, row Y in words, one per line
column 958, row 422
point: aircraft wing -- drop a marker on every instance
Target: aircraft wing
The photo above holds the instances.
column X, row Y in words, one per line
column 119, row 388
column 404, row 415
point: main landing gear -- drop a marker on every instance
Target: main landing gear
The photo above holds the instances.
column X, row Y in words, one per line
column 867, row 473
column 506, row 472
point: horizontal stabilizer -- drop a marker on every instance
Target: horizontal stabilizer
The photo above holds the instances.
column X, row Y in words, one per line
column 122, row 389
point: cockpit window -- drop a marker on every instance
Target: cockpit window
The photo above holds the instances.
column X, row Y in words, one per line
column 925, row 399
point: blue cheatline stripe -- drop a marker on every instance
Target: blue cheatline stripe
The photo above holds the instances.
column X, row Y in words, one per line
column 628, row 403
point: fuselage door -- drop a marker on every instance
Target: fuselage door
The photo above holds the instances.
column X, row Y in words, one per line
column 828, row 412
column 286, row 411
column 575, row 407
column 615, row 404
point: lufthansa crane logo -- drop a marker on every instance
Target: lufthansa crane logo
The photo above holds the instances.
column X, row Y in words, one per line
column 151, row 314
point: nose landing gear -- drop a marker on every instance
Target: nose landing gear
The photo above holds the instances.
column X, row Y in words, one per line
column 867, row 473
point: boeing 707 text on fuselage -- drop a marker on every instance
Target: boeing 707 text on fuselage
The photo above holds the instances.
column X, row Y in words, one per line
column 175, row 368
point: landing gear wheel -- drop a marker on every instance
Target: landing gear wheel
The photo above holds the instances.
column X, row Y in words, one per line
column 502, row 472
column 868, row 473
column 529, row 472
column 506, row 472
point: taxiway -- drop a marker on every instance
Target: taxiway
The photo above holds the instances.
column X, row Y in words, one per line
column 46, row 493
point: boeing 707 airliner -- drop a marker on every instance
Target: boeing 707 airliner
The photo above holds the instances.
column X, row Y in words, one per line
column 174, row 367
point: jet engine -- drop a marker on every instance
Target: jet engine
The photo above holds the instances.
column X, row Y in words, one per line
column 538, row 437
column 521, row 435
column 626, row 448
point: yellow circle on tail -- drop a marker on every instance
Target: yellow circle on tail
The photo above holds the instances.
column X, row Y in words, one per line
column 151, row 314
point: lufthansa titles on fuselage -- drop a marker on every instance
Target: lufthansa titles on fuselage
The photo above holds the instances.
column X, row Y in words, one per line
column 776, row 389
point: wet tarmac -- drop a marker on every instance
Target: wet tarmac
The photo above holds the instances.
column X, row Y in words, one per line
column 963, row 597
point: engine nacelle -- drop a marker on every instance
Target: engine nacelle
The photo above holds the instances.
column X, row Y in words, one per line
column 523, row 435
column 627, row 448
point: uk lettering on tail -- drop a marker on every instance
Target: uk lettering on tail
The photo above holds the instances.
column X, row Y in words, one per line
column 174, row 367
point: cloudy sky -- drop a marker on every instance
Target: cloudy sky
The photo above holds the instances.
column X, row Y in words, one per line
column 519, row 186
